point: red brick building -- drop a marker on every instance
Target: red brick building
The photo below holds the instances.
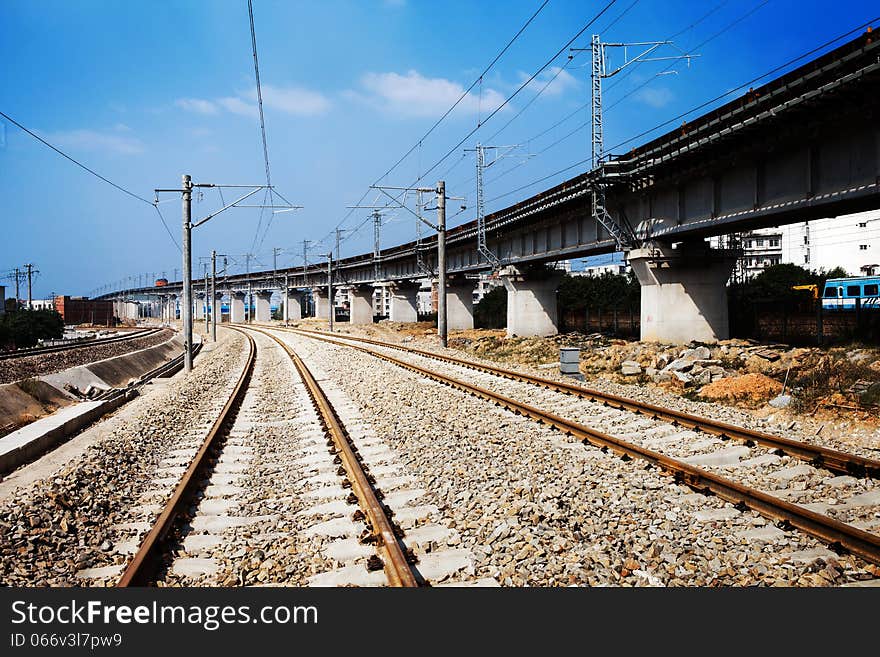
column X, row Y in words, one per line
column 82, row 310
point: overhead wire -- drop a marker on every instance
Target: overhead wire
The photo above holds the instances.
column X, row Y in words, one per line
column 262, row 131
column 93, row 172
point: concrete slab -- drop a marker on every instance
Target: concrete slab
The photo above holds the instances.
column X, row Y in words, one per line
column 336, row 528
column 218, row 479
column 714, row 515
column 841, row 481
column 788, row 474
column 811, row 555
column 728, row 456
column 403, row 497
column 335, row 507
column 324, row 478
column 762, row 534
column 100, row 572
column 865, row 583
column 129, row 546
column 326, row 493
column 348, row 549
column 871, row 498
column 443, row 564
column 764, row 459
column 195, row 543
column 195, row 567
column 407, row 516
column 388, row 484
column 354, row 575
column 218, row 524
column 223, row 490
column 216, row 506
column 132, row 526
column 427, row 533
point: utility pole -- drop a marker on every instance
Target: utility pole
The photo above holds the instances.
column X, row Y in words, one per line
column 188, row 225
column 30, row 270
column 17, row 293
column 275, row 251
column 305, row 258
column 286, row 297
column 441, row 262
column 187, row 272
column 440, row 191
column 214, row 296
column 207, row 306
column 622, row 232
column 377, row 247
column 332, row 311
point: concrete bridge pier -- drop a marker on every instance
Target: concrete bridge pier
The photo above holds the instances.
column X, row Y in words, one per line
column 404, row 306
column 684, row 291
column 460, row 304
column 263, row 311
column 531, row 301
column 236, row 307
column 322, row 302
column 361, row 302
column 293, row 300
column 199, row 306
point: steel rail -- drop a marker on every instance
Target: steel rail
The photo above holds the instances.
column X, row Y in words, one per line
column 37, row 351
column 817, row 455
column 143, row 566
column 837, row 534
column 397, row 568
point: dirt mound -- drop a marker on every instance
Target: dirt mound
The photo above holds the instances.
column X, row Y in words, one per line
column 750, row 388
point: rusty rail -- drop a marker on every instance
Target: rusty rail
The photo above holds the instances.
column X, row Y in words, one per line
column 148, row 559
column 833, row 532
column 396, row 565
column 817, row 455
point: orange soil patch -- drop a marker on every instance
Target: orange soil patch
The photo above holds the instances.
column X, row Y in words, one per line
column 751, row 388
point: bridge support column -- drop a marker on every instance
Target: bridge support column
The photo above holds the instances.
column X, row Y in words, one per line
column 460, row 304
column 361, row 304
column 236, row 307
column 293, row 299
column 684, row 293
column 322, row 302
column 199, row 306
column 263, row 312
column 531, row 301
column 403, row 302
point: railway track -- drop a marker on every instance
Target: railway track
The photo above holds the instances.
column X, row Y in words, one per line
column 173, row 528
column 839, row 535
column 38, row 351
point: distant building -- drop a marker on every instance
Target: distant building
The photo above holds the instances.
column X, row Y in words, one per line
column 849, row 241
column 82, row 310
column 617, row 269
column 43, row 304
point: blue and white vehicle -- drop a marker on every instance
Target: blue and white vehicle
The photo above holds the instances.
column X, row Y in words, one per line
column 844, row 293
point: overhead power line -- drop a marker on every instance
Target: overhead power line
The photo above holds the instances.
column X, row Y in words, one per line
column 262, row 129
column 464, row 95
column 91, row 171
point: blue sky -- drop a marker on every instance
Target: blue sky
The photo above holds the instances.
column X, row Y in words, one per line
column 145, row 91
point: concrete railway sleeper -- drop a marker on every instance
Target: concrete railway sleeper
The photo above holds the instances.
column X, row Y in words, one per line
column 817, row 455
column 148, row 560
column 838, row 535
column 385, row 535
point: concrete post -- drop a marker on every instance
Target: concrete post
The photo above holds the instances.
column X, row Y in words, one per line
column 684, row 291
column 263, row 312
column 403, row 302
column 361, row 302
column 531, row 301
column 200, row 306
column 236, row 307
column 460, row 305
column 322, row 302
column 293, row 304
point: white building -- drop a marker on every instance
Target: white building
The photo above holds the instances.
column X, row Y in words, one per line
column 848, row 241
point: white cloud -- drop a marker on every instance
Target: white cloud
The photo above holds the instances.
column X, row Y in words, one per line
column 413, row 94
column 236, row 105
column 93, row 140
column 197, row 105
column 294, row 100
column 656, row 97
column 562, row 81
column 289, row 100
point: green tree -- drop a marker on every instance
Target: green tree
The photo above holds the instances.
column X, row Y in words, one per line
column 491, row 311
column 25, row 327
